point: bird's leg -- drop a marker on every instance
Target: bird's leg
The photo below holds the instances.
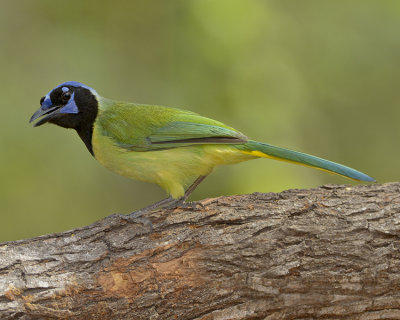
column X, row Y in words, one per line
column 194, row 185
column 168, row 202
column 165, row 203
column 188, row 192
column 154, row 206
column 136, row 215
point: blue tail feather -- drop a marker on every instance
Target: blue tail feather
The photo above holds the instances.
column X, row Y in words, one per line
column 270, row 151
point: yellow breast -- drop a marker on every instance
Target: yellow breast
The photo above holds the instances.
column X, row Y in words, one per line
column 172, row 169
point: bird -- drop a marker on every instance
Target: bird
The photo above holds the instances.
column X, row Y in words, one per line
column 171, row 147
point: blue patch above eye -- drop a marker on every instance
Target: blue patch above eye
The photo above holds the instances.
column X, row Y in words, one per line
column 70, row 107
column 47, row 103
column 64, row 89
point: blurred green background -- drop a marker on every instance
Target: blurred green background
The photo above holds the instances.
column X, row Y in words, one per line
column 317, row 76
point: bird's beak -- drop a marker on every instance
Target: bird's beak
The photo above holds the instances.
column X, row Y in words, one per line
column 41, row 112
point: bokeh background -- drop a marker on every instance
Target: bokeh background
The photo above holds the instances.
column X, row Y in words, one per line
column 317, row 76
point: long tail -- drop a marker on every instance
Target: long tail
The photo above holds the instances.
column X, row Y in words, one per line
column 268, row 151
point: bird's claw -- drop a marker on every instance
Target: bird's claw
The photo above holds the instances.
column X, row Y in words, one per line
column 131, row 218
column 193, row 205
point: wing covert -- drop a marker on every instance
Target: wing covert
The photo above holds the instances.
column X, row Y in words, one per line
column 146, row 128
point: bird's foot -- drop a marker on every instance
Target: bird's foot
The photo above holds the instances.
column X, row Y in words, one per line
column 168, row 203
column 193, row 205
column 133, row 218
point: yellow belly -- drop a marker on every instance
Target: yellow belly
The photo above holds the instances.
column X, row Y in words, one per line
column 172, row 169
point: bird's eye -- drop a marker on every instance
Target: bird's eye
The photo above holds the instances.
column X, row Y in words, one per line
column 41, row 100
column 66, row 95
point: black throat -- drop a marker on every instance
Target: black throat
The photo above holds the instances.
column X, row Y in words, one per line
column 86, row 134
column 88, row 108
column 82, row 122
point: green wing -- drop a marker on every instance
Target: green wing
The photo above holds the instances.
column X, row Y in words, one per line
column 145, row 128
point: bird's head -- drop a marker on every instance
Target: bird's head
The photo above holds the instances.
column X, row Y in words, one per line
column 69, row 105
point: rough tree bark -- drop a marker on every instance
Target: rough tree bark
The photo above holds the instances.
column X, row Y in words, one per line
column 331, row 252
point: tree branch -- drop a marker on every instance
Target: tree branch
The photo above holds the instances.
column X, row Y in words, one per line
column 331, row 252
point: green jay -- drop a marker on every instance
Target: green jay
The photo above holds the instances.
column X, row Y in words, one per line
column 173, row 148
